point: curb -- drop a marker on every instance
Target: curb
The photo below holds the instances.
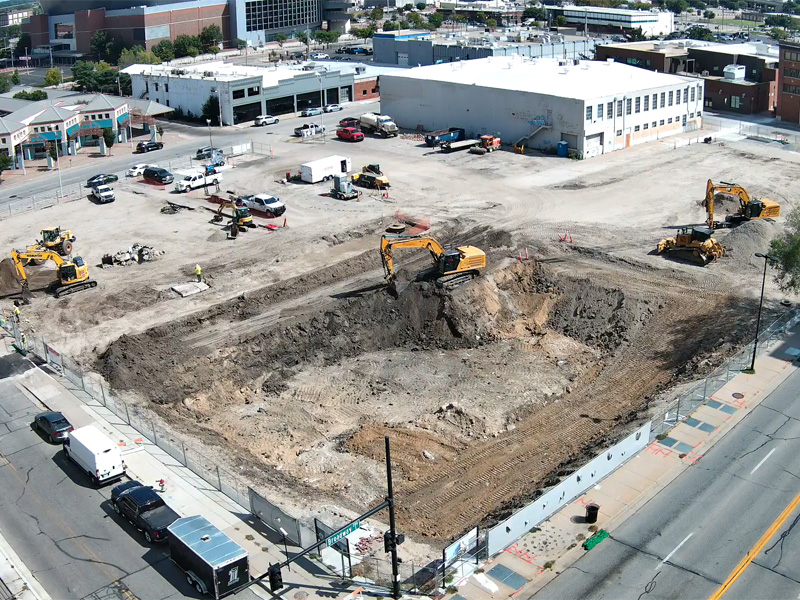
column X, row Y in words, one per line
column 22, row 584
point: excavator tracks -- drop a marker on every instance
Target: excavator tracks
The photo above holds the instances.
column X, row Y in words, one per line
column 75, row 287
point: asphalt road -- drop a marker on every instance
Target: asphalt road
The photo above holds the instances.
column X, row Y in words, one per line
column 687, row 540
column 64, row 529
column 47, row 185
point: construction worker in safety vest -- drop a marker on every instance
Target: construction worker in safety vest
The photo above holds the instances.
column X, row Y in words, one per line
column 16, row 312
column 199, row 272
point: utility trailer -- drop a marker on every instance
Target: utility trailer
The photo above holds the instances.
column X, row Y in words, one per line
column 324, row 169
column 214, row 564
column 462, row 145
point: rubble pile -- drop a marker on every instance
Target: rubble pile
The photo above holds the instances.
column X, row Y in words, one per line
column 136, row 254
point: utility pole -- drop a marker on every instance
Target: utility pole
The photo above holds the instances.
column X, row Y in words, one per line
column 392, row 527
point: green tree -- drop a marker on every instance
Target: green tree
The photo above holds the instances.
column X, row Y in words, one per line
column 211, row 109
column 560, row 21
column 709, row 15
column 786, row 248
column 390, row 26
column 280, row 38
column 376, row 14
column 416, row 20
column 408, row 7
column 699, row 32
column 436, row 20
column 211, row 35
column 32, row 96
column 778, row 34
column 326, row 37
column 164, row 50
column 5, row 83
column 137, row 56
column 13, row 31
column 109, row 136
column 491, row 23
column 5, row 162
column 99, row 44
column 52, row 150
column 535, row 12
column 677, row 6
column 480, row 17
column 125, row 84
column 15, row 77
column 363, row 32
column 301, row 37
column 460, row 18
column 784, row 21
column 421, row 6
column 184, row 44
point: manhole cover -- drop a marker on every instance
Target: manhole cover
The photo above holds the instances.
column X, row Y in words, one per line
column 737, row 395
column 300, row 595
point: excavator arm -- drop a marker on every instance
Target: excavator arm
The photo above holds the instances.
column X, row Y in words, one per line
column 390, row 242
column 723, row 187
column 33, row 253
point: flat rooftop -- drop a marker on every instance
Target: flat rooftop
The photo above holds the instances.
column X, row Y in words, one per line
column 768, row 51
column 602, row 10
column 222, row 71
column 667, row 47
column 585, row 81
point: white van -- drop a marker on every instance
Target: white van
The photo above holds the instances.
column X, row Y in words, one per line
column 94, row 453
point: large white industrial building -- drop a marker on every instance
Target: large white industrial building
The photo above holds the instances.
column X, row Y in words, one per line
column 596, row 107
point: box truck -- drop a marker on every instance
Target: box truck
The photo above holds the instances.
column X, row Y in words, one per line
column 214, row 564
column 98, row 456
column 324, row 169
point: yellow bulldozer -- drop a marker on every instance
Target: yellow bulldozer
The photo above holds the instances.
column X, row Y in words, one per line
column 692, row 244
column 54, row 239
column 73, row 275
column 451, row 267
column 748, row 210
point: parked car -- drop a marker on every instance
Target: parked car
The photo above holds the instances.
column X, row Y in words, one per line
column 137, row 170
column 158, row 175
column 319, row 55
column 103, row 194
column 359, row 50
column 350, row 134
column 54, row 425
column 143, row 147
column 310, row 112
column 350, row 122
column 96, row 455
column 265, row 203
column 143, row 508
column 329, row 108
column 312, row 128
column 266, row 120
column 207, row 152
column 101, row 180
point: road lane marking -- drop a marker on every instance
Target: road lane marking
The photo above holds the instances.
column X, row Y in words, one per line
column 755, row 550
column 678, row 547
column 763, row 460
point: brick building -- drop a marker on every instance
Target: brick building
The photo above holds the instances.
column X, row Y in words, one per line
column 788, row 108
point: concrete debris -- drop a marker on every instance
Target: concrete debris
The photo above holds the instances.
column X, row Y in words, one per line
column 189, row 289
column 136, row 254
column 428, row 455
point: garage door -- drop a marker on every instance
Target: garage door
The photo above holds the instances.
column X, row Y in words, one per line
column 402, row 59
column 593, row 145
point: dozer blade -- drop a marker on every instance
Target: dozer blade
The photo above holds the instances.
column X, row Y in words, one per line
column 690, row 255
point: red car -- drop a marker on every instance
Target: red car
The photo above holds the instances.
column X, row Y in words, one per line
column 350, row 133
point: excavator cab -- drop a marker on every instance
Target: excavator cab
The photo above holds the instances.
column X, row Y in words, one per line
column 449, row 262
column 73, row 272
column 753, row 209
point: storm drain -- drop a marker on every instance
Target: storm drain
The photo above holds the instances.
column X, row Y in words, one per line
column 507, row 577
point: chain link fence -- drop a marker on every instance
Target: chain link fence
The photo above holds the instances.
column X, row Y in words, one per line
column 769, row 133
column 682, row 406
column 412, row 578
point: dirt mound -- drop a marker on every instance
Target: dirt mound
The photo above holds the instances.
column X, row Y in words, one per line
column 39, row 278
column 742, row 242
column 9, row 280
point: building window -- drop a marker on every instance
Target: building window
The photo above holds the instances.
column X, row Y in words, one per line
column 3, row 140
column 677, row 97
column 692, row 94
column 683, row 121
column 793, row 73
column 699, row 91
column 363, row 92
column 735, row 102
column 663, row 99
column 237, row 94
column 669, row 120
column 167, row 101
column 599, row 111
column 636, row 128
column 274, row 14
column 791, row 89
column 253, row 91
column 156, row 87
column 628, row 104
column 661, row 122
column 610, row 109
column 670, row 98
column 686, row 95
column 691, row 115
column 646, row 103
column 166, row 87
column 638, row 105
column 619, row 108
column 793, row 56
column 619, row 132
column 107, row 115
column 654, row 124
column 645, row 126
column 588, row 113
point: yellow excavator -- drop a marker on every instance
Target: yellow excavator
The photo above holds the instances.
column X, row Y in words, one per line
column 73, row 275
column 240, row 215
column 692, row 244
column 451, row 267
column 749, row 208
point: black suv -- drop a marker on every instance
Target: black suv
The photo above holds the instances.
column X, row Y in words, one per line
column 144, row 509
column 143, row 147
column 158, row 175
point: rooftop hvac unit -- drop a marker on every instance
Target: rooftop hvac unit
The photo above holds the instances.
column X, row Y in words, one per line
column 681, row 44
column 208, row 73
column 735, row 72
column 704, row 73
column 576, row 62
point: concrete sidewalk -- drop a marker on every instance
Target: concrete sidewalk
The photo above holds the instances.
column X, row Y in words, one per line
column 538, row 557
column 185, row 492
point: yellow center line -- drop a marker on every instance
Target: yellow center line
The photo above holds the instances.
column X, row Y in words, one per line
column 755, row 550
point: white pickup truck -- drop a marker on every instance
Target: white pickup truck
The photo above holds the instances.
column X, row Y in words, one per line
column 191, row 180
column 265, row 203
column 103, row 194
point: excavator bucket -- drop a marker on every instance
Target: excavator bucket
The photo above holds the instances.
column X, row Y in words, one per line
column 400, row 282
column 26, row 293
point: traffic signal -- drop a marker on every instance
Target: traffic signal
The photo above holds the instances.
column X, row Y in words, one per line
column 388, row 542
column 275, row 577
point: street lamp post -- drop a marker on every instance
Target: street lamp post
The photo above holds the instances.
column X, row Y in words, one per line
column 767, row 258
column 210, row 142
column 322, row 107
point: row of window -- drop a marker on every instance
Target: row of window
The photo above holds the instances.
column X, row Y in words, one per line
column 252, row 91
column 655, row 124
column 261, row 15
column 791, row 89
column 791, row 55
column 793, row 73
column 667, row 99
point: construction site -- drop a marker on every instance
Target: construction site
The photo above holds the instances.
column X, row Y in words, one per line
column 297, row 360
